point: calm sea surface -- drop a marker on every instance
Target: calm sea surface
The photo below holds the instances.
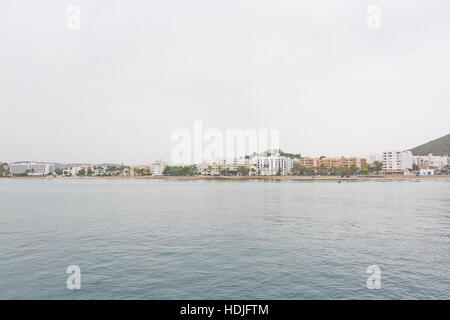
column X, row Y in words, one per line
column 172, row 239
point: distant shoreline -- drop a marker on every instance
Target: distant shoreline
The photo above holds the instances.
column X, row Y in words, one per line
column 302, row 178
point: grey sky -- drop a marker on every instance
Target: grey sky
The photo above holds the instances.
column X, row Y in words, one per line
column 137, row 70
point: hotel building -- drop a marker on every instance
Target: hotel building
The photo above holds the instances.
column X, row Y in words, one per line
column 396, row 162
column 274, row 165
column 214, row 166
column 158, row 168
column 329, row 163
column 32, row 168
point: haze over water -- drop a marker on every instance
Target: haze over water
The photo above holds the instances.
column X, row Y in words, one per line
column 197, row 239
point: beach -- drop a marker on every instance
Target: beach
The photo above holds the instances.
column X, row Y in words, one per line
column 304, row 178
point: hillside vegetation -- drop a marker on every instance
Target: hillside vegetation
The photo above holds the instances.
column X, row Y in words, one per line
column 438, row 147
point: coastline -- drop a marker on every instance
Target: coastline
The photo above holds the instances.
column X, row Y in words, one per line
column 300, row 178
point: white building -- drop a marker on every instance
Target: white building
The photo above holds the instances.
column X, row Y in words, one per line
column 214, row 166
column 274, row 165
column 74, row 170
column 208, row 167
column 427, row 172
column 32, row 168
column 397, row 160
column 158, row 168
column 431, row 161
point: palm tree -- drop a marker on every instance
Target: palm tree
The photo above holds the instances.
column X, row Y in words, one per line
column 378, row 166
column 322, row 168
column 353, row 169
column 333, row 170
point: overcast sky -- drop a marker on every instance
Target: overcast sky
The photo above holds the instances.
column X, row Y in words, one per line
column 115, row 90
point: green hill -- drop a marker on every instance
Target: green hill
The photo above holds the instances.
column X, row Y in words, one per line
column 438, row 147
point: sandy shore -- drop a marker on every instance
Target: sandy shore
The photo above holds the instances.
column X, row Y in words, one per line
column 304, row 178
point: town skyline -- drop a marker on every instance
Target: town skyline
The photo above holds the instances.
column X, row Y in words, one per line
column 269, row 163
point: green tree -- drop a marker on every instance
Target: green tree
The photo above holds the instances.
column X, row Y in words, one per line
column 290, row 155
column 296, row 168
column 180, row 170
column 322, row 169
column 243, row 171
column 309, row 171
column 228, row 172
column 4, row 170
column 353, row 169
column 345, row 170
column 334, row 171
column 111, row 168
column 378, row 166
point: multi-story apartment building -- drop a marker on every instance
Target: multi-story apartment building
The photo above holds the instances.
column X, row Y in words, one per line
column 214, row 166
column 308, row 162
column 329, row 163
column 274, row 165
column 158, row 168
column 431, row 161
column 396, row 161
column 141, row 170
column 360, row 163
column 76, row 169
column 32, row 168
column 154, row 169
column 208, row 167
